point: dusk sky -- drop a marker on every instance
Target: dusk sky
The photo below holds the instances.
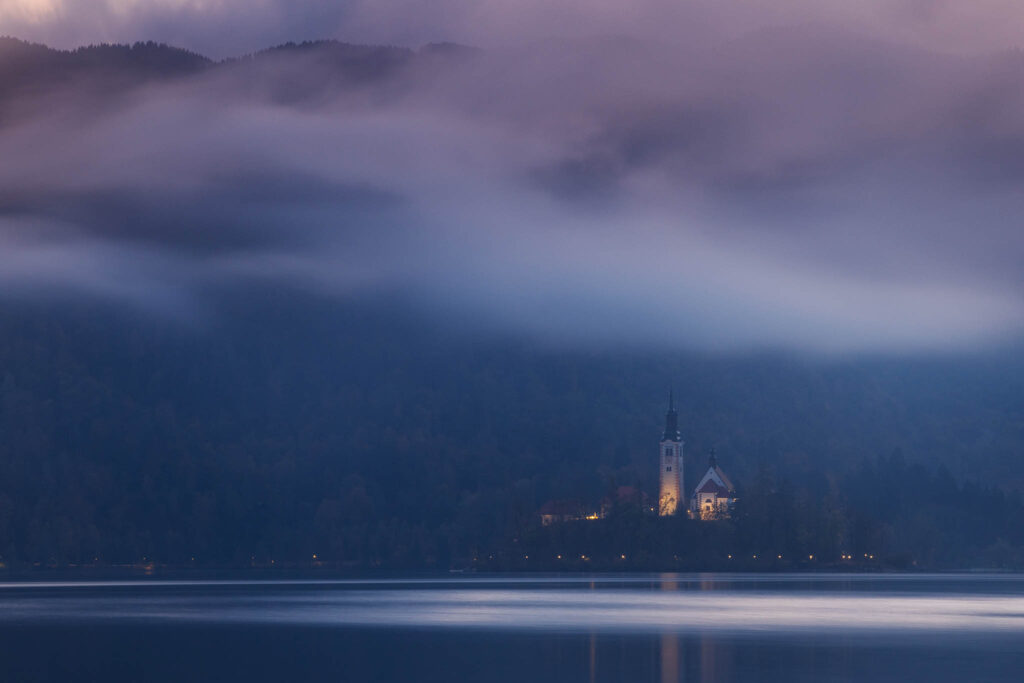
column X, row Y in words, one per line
column 826, row 176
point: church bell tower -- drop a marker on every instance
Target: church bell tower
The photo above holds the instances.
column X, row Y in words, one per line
column 670, row 460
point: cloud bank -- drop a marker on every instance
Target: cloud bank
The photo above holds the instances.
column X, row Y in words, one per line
column 736, row 179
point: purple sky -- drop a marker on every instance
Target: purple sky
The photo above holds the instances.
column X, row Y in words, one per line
column 224, row 27
column 683, row 175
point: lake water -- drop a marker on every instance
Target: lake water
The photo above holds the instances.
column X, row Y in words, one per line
column 720, row 628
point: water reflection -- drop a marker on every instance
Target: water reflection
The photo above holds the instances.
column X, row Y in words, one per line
column 714, row 660
column 697, row 629
column 593, row 657
column 714, row 606
column 669, row 658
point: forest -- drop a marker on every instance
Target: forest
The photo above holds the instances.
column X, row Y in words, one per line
column 286, row 427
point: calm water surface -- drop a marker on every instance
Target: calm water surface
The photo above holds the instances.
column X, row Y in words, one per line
column 538, row 629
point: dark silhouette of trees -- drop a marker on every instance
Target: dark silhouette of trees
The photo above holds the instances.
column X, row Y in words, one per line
column 292, row 427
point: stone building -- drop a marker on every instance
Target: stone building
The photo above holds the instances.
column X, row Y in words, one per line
column 714, row 494
column 670, row 494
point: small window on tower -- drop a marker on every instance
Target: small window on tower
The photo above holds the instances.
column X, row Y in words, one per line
column 669, row 468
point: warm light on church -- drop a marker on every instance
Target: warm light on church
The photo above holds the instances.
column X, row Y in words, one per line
column 670, row 492
column 714, row 494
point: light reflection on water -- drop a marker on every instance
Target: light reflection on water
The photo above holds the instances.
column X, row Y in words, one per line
column 692, row 628
column 763, row 605
column 609, row 611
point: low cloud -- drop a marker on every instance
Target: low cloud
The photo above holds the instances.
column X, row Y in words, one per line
column 804, row 186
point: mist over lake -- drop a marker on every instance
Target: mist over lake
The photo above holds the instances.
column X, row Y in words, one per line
column 639, row 627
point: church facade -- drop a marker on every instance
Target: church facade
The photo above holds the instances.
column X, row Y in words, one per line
column 714, row 494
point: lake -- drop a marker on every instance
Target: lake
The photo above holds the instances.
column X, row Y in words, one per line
column 792, row 628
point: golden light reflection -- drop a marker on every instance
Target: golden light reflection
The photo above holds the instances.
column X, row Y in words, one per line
column 714, row 662
column 669, row 658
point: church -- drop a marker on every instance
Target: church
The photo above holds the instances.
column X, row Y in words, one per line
column 714, row 494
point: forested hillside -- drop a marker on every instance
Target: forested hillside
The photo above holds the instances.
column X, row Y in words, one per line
column 285, row 426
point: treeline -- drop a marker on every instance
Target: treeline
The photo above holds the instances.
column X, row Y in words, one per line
column 290, row 72
column 883, row 514
column 285, row 427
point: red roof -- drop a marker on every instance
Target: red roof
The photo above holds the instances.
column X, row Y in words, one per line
column 710, row 486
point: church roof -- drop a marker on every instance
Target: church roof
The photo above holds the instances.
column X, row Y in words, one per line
column 711, row 486
column 726, row 482
column 715, row 480
column 671, row 421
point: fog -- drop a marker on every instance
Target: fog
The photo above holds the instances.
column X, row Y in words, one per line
column 694, row 176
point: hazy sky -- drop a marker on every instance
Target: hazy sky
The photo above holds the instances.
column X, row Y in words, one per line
column 221, row 27
column 824, row 176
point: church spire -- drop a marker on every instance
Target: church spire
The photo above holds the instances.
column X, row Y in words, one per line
column 671, row 421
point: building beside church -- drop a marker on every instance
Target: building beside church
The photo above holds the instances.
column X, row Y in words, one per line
column 558, row 511
column 714, row 494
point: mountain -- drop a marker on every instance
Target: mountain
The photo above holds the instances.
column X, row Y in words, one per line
column 29, row 69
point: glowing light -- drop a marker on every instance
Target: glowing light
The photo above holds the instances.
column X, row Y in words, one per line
column 30, row 10
column 39, row 11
